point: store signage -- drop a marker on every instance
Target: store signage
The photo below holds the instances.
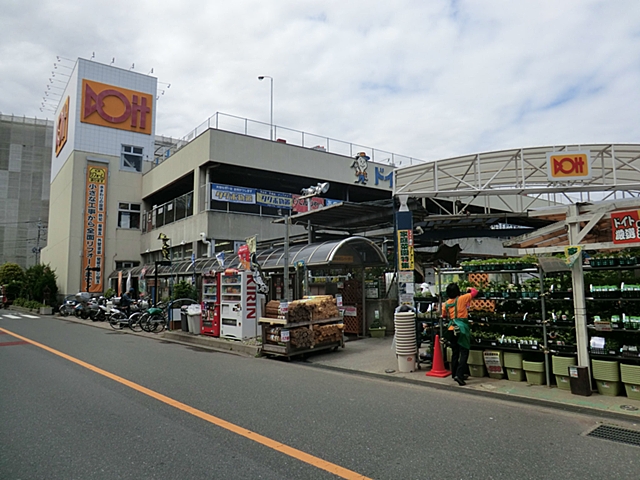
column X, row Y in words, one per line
column 274, row 199
column 568, row 166
column 62, row 127
column 116, row 107
column 95, row 225
column 301, row 205
column 492, row 360
column 251, row 298
column 405, row 250
column 227, row 193
column 381, row 177
column 624, row 227
column 342, row 259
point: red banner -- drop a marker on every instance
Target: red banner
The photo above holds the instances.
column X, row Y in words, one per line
column 624, row 227
column 301, row 205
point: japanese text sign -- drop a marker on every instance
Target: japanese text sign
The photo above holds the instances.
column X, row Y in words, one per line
column 95, row 215
column 624, row 227
column 405, row 250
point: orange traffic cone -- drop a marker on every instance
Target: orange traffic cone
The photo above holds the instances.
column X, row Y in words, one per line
column 437, row 367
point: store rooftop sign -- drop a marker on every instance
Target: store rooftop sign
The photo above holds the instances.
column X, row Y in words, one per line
column 566, row 166
column 116, row 107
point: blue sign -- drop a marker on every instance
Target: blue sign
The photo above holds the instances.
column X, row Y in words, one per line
column 381, row 176
column 227, row 193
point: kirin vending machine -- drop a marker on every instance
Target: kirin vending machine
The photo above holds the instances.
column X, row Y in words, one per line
column 239, row 305
column 211, row 304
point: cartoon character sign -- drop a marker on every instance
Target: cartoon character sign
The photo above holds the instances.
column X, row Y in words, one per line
column 360, row 165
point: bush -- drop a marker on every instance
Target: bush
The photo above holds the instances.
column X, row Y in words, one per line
column 183, row 289
column 110, row 293
column 25, row 303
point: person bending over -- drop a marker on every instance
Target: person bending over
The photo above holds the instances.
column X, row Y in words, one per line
column 456, row 310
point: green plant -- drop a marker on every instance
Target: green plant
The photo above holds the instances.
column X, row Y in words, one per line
column 40, row 284
column 110, row 293
column 183, row 289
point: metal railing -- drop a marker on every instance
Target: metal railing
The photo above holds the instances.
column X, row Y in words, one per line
column 253, row 128
column 172, row 211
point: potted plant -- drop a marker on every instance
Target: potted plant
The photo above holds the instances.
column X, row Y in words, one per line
column 376, row 329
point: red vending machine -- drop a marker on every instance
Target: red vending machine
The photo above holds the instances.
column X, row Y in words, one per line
column 211, row 304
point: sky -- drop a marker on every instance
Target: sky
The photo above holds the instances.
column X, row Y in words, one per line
column 426, row 79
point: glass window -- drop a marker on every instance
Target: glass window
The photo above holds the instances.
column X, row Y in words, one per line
column 126, row 264
column 131, row 158
column 129, row 215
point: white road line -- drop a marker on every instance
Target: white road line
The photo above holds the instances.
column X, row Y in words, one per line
column 30, row 316
column 16, row 317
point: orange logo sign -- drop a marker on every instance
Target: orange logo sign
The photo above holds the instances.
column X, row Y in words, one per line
column 62, row 127
column 568, row 166
column 116, row 107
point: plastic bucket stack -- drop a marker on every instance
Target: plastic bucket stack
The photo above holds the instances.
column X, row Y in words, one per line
column 476, row 364
column 607, row 377
column 534, row 372
column 630, row 375
column 561, row 370
column 513, row 365
column 406, row 343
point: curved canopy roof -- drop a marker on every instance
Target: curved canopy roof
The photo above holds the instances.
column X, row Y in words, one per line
column 351, row 251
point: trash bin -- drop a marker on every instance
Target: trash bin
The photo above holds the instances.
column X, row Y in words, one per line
column 194, row 319
column 184, row 322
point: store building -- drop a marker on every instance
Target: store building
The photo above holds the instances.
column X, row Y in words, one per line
column 116, row 186
column 25, row 167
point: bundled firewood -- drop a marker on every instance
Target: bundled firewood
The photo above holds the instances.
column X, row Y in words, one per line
column 316, row 308
column 327, row 333
column 272, row 310
column 301, row 337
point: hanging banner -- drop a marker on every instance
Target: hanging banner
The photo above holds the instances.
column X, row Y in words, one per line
column 405, row 250
column 95, row 224
column 274, row 199
column 624, row 227
column 227, row 193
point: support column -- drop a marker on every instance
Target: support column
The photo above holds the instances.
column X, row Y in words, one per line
column 579, row 302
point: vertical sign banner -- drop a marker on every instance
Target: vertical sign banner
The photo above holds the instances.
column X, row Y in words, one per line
column 95, row 214
column 624, row 227
column 62, row 127
column 405, row 250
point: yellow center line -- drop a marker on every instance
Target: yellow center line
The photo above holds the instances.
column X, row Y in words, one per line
column 256, row 437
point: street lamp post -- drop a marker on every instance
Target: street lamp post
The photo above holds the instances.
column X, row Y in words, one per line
column 262, row 77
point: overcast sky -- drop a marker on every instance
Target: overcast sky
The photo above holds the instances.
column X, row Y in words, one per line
column 427, row 78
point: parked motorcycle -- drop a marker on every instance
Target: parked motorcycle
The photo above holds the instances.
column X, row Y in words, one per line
column 98, row 309
column 67, row 307
column 82, row 309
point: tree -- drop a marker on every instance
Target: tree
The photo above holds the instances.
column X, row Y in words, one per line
column 40, row 284
column 12, row 277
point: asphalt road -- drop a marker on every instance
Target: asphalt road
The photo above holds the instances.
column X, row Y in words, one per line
column 62, row 420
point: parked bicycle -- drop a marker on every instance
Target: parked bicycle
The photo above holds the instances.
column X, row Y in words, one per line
column 154, row 320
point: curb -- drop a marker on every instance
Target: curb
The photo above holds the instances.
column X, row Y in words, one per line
column 212, row 343
column 593, row 412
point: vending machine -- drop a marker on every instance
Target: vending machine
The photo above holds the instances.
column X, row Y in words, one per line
column 239, row 305
column 211, row 304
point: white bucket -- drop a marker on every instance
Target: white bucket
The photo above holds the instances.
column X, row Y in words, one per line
column 406, row 363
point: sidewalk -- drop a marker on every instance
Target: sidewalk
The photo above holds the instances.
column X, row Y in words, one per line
column 374, row 357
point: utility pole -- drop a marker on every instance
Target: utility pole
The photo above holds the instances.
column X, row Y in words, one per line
column 37, row 248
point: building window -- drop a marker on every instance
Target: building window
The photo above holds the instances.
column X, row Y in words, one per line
column 129, row 215
column 131, row 158
column 126, row 264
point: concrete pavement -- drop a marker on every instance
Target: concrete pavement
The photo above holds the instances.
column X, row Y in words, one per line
column 375, row 357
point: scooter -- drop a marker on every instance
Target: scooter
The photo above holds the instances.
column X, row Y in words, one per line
column 67, row 308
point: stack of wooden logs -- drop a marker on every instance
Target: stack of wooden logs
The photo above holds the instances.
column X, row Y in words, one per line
column 316, row 308
column 301, row 337
column 273, row 334
column 327, row 333
column 272, row 310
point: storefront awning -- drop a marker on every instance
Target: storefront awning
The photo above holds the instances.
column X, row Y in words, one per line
column 351, row 251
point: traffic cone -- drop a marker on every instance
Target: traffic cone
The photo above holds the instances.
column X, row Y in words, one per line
column 437, row 367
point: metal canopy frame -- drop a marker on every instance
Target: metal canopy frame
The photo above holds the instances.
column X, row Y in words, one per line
column 516, row 180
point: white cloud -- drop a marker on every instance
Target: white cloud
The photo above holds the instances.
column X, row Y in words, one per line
column 425, row 79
